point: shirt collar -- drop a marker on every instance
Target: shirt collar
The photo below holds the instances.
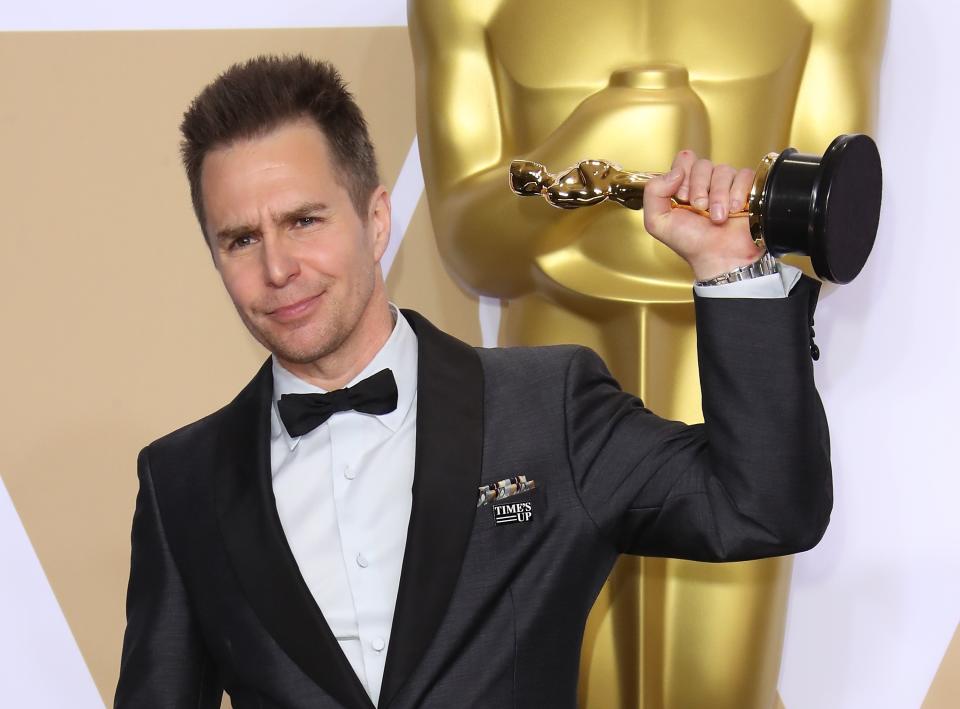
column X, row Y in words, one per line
column 399, row 354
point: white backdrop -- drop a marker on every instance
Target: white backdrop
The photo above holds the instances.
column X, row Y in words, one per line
column 874, row 606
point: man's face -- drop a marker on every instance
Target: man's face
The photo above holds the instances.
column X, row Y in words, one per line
column 297, row 260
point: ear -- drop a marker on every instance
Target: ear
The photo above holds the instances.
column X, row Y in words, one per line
column 378, row 221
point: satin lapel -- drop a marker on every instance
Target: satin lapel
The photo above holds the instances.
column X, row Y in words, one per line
column 446, row 475
column 258, row 549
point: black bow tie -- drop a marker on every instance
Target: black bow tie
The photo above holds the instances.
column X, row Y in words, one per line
column 301, row 413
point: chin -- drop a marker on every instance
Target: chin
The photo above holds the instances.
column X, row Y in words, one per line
column 301, row 347
column 295, row 349
column 294, row 355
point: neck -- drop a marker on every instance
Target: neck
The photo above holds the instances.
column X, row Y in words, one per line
column 334, row 370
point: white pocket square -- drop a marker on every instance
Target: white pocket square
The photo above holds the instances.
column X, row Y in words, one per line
column 504, row 488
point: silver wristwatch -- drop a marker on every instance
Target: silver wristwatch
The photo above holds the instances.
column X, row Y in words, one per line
column 763, row 266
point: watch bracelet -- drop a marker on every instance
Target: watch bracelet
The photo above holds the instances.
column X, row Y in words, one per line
column 766, row 265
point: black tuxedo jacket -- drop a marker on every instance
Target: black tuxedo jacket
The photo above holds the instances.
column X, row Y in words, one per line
column 487, row 615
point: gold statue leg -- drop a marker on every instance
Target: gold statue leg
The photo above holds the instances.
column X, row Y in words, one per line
column 665, row 633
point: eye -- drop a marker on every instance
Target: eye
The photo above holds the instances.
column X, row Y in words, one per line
column 241, row 242
column 306, row 221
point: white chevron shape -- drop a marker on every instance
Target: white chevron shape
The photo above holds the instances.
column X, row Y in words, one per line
column 40, row 664
column 403, row 202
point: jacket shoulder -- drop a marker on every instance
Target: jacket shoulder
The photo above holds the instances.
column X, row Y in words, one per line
column 508, row 370
column 540, row 356
column 536, row 363
column 192, row 436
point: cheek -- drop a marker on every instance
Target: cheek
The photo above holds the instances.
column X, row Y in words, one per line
column 346, row 260
column 240, row 285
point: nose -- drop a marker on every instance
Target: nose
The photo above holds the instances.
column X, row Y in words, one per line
column 280, row 263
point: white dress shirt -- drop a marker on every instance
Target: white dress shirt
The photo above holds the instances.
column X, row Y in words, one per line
column 344, row 496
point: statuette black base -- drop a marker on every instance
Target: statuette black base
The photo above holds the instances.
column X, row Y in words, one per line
column 827, row 207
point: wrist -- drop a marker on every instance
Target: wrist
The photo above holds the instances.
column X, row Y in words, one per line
column 711, row 266
column 765, row 265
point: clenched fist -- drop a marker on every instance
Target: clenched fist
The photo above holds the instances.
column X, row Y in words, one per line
column 711, row 246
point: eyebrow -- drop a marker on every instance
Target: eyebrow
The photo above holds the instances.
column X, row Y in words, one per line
column 300, row 211
column 234, row 232
column 287, row 217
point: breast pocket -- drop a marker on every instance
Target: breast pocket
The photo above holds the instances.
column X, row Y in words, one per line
column 518, row 514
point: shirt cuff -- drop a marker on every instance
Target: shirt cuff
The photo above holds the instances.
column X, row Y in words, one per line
column 776, row 285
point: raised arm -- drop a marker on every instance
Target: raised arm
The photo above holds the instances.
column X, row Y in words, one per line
column 753, row 481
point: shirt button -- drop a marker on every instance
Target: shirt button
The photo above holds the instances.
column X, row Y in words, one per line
column 378, row 644
column 362, row 561
column 349, row 473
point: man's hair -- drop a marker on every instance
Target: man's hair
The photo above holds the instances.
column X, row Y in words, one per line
column 252, row 98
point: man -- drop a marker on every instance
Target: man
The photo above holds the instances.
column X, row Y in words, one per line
column 434, row 535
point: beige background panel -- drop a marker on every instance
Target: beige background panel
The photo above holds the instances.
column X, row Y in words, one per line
column 117, row 327
column 945, row 689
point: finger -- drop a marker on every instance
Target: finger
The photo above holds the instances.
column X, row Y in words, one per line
column 720, row 183
column 740, row 190
column 684, row 161
column 700, row 183
column 657, row 194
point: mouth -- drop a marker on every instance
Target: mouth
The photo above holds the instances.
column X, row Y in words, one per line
column 294, row 310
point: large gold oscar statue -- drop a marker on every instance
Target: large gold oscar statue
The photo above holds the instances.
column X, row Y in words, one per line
column 631, row 81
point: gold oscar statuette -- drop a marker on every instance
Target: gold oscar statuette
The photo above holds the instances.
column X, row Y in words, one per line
column 636, row 81
column 827, row 207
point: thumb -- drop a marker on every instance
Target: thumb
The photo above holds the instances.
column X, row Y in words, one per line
column 657, row 194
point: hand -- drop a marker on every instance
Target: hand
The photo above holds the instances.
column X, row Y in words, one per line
column 711, row 246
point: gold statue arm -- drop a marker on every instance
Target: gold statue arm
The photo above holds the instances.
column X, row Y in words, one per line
column 590, row 182
column 838, row 95
column 464, row 152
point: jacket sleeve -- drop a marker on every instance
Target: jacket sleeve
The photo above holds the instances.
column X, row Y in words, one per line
column 164, row 662
column 753, row 481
